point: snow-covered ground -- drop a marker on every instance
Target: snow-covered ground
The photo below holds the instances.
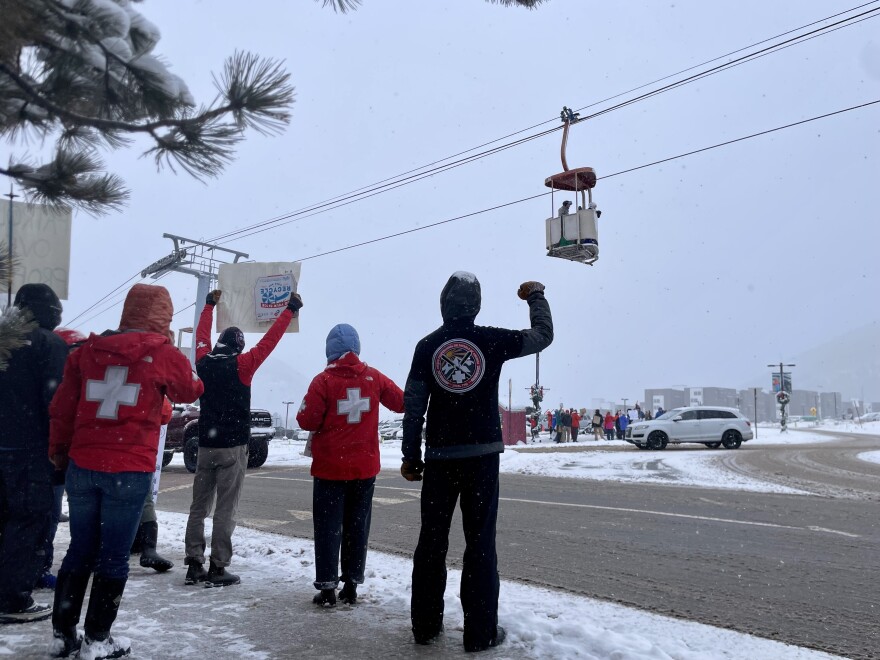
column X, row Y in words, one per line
column 616, row 460
column 270, row 616
column 865, row 428
column 871, row 456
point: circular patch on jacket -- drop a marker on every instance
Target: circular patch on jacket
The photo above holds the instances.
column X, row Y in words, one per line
column 458, row 365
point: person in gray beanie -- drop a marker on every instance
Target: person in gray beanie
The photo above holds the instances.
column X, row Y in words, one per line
column 341, row 409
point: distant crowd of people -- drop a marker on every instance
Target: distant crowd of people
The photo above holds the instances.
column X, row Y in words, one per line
column 564, row 424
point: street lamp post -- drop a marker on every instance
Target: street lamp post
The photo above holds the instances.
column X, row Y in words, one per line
column 286, row 414
column 783, row 396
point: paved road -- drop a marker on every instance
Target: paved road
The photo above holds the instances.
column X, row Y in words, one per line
column 795, row 568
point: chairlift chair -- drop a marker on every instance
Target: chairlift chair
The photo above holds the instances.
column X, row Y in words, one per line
column 573, row 236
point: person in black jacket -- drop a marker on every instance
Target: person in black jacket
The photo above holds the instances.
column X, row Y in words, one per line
column 26, row 389
column 224, row 430
column 454, row 377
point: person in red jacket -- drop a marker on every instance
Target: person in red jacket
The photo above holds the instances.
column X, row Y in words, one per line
column 341, row 408
column 105, row 422
column 609, row 426
column 575, row 424
column 224, row 432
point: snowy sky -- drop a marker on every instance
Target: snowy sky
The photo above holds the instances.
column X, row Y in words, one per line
column 781, row 228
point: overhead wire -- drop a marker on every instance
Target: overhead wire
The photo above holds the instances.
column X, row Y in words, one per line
column 607, row 176
column 410, row 176
column 405, row 178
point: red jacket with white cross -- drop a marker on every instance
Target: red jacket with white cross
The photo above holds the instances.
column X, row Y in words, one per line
column 341, row 408
column 107, row 411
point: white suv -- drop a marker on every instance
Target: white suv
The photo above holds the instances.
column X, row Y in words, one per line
column 709, row 425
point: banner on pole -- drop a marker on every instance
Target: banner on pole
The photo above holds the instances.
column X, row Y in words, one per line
column 254, row 294
column 781, row 384
column 40, row 244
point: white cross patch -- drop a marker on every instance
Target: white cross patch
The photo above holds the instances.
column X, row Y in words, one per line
column 112, row 392
column 353, row 405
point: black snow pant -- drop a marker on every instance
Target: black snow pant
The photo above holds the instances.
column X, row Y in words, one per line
column 476, row 481
column 25, row 517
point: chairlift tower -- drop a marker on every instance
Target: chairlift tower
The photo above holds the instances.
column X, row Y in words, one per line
column 196, row 258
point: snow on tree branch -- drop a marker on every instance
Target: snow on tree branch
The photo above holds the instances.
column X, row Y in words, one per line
column 83, row 72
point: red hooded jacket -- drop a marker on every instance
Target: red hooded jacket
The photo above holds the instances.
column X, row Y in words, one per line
column 108, row 408
column 341, row 407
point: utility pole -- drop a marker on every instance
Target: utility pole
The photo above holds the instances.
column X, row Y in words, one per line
column 624, row 405
column 192, row 258
column 11, row 195
column 756, row 412
column 286, row 414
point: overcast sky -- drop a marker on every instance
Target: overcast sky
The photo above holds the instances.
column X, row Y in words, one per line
column 710, row 267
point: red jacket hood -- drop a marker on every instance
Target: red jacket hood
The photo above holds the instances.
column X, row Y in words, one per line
column 348, row 366
column 123, row 347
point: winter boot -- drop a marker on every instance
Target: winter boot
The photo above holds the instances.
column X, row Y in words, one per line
column 500, row 636
column 137, row 546
column 349, row 594
column 103, row 607
column 70, row 590
column 196, row 572
column 99, row 649
column 218, row 576
column 325, row 598
column 149, row 557
column 425, row 636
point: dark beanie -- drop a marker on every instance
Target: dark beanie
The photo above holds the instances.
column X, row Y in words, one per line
column 232, row 338
column 40, row 300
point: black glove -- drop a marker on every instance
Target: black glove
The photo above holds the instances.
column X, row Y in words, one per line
column 411, row 470
column 295, row 303
column 213, row 298
column 528, row 288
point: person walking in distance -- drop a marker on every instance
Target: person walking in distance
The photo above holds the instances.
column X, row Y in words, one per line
column 224, row 432
column 341, row 409
column 575, row 424
column 454, row 378
column 26, row 475
column 105, row 431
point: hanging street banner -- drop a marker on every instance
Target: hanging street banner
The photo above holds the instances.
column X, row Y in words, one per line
column 254, row 294
column 40, row 244
column 780, row 384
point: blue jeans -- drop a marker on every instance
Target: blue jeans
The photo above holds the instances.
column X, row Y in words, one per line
column 25, row 510
column 342, row 511
column 473, row 482
column 105, row 508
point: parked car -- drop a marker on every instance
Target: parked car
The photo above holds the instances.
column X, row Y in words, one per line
column 391, row 430
column 870, row 417
column 183, row 435
column 712, row 426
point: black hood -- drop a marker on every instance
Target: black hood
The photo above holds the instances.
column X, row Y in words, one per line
column 461, row 297
column 42, row 303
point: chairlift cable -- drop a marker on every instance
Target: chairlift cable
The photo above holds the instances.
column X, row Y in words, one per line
column 391, row 182
column 397, row 180
column 330, row 205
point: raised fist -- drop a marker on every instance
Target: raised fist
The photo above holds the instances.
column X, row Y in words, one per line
column 214, row 297
column 528, row 288
column 295, row 303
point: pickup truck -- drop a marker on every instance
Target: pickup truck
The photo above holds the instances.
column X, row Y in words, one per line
column 183, row 436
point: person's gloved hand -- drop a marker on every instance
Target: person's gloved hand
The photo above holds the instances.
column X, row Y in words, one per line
column 528, row 288
column 60, row 462
column 295, row 303
column 412, row 470
column 214, row 297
